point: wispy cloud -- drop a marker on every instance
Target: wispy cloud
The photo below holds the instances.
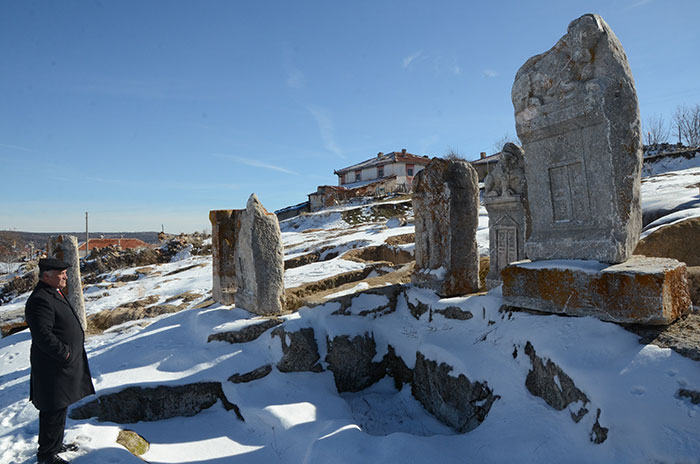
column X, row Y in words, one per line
column 16, row 147
column 489, row 73
column 295, row 79
column 640, row 3
column 411, row 58
column 325, row 127
column 255, row 164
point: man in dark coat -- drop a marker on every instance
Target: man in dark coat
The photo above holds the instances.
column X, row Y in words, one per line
column 60, row 374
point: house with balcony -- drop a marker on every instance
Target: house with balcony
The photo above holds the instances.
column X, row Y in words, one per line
column 400, row 166
column 386, row 173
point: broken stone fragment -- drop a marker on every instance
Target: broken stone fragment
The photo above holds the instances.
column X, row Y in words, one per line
column 255, row 374
column 455, row 401
column 299, row 350
column 134, row 404
column 548, row 381
column 350, row 360
column 247, row 333
column 133, row 442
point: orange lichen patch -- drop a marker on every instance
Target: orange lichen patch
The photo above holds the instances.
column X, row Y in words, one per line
column 655, row 293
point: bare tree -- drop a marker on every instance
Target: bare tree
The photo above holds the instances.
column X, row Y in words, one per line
column 453, row 155
column 686, row 120
column 498, row 144
column 656, row 130
column 9, row 250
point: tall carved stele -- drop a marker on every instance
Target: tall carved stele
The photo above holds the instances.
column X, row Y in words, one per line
column 446, row 209
column 577, row 115
column 505, row 198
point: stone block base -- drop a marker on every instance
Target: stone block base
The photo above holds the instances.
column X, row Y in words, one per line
column 641, row 290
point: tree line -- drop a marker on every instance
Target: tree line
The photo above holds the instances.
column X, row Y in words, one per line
column 684, row 124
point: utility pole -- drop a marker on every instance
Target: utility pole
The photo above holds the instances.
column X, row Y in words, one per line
column 87, row 236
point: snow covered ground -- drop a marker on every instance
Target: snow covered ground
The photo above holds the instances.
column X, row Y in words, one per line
column 301, row 418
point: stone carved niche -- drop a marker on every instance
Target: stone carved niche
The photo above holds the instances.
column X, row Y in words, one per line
column 505, row 198
column 577, row 115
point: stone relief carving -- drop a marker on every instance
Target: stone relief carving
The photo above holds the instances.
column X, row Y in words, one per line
column 508, row 177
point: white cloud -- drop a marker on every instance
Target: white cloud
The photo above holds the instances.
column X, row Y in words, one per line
column 489, row 73
column 411, row 58
column 255, row 164
column 325, row 127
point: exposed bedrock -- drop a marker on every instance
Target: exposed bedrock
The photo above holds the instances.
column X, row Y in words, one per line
column 135, row 404
column 548, row 381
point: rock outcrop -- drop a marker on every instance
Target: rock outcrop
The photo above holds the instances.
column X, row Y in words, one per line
column 299, row 350
column 136, row 404
column 456, row 401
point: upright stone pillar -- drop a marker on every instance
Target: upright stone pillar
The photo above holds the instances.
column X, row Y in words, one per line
column 505, row 198
column 577, row 114
column 260, row 261
column 446, row 209
column 224, row 230
column 65, row 247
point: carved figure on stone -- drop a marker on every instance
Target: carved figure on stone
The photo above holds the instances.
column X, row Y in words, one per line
column 508, row 177
column 577, row 115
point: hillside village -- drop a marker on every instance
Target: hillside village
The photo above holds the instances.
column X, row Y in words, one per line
column 537, row 305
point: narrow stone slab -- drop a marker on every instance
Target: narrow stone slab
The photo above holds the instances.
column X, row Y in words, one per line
column 65, row 247
column 225, row 224
column 641, row 290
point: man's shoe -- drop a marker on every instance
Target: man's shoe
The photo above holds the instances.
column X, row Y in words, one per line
column 69, row 447
column 55, row 459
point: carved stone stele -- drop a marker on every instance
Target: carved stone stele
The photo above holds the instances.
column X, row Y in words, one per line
column 577, row 115
column 505, row 198
column 446, row 209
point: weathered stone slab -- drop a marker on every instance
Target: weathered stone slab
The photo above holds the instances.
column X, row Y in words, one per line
column 641, row 290
column 248, row 259
column 224, row 230
column 505, row 198
column 577, row 115
column 259, row 259
column 65, row 247
column 446, row 209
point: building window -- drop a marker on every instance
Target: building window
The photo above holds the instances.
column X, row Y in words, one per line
column 358, row 175
column 409, row 170
column 380, row 172
column 342, row 179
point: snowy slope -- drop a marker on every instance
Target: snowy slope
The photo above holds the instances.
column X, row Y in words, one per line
column 300, row 417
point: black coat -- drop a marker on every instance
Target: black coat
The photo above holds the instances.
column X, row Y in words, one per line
column 60, row 373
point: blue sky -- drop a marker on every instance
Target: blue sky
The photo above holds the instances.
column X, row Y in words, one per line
column 154, row 112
